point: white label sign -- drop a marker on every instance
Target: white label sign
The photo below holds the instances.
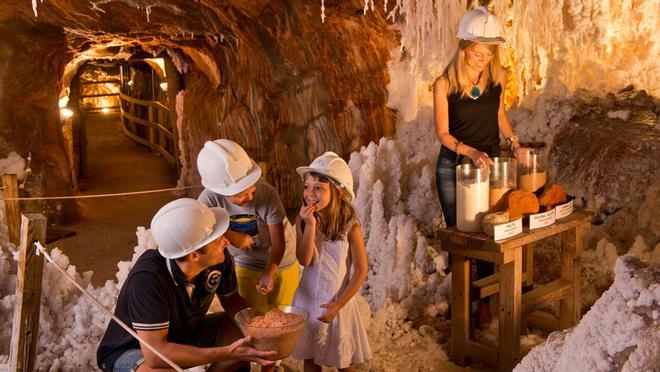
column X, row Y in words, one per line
column 507, row 230
column 564, row 210
column 541, row 219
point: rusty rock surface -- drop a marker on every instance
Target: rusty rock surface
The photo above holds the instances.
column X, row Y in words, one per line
column 268, row 74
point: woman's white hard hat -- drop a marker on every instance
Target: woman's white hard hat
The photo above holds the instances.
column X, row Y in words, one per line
column 481, row 26
column 185, row 225
column 226, row 168
column 331, row 165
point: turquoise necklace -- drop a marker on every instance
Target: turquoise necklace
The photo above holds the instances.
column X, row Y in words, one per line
column 475, row 92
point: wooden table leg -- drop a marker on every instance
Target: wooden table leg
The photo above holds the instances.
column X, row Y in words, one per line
column 460, row 308
column 571, row 269
column 509, row 312
column 528, row 263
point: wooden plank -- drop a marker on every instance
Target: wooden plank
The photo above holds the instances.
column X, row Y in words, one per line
column 12, row 217
column 25, row 330
column 528, row 264
column 546, row 295
column 490, row 285
column 541, row 320
column 571, row 270
column 478, row 254
column 460, row 303
column 509, row 312
column 483, row 352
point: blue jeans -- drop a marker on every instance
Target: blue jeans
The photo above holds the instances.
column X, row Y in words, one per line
column 445, row 182
column 129, row 361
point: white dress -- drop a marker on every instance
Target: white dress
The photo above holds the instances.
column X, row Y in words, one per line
column 344, row 341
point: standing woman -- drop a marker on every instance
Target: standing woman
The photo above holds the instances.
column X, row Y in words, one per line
column 469, row 113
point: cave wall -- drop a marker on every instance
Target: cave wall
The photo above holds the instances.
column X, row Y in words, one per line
column 293, row 89
column 267, row 74
column 31, row 63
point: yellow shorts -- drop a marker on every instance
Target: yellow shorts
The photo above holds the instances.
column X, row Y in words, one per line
column 285, row 284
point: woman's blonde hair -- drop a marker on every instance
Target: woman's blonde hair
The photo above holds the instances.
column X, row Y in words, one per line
column 339, row 211
column 456, row 73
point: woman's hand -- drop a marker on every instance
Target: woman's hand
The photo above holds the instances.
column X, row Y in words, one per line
column 307, row 215
column 479, row 158
column 520, row 151
column 265, row 284
column 332, row 308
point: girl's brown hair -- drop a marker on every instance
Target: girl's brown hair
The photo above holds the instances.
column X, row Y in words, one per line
column 456, row 73
column 338, row 213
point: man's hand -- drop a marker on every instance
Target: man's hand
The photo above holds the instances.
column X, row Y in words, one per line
column 265, row 284
column 242, row 349
column 332, row 310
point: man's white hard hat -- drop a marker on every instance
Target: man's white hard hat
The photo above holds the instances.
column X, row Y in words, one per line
column 481, row 26
column 331, row 165
column 185, row 225
column 226, row 168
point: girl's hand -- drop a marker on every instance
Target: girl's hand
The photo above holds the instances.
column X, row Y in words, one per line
column 243, row 241
column 307, row 214
column 265, row 284
column 330, row 313
column 480, row 159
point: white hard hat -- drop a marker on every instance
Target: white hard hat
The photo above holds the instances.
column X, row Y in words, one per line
column 185, row 225
column 226, row 168
column 481, row 26
column 331, row 165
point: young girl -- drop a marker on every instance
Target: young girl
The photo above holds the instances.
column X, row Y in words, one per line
column 329, row 245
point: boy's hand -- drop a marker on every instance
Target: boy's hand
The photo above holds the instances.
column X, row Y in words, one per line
column 243, row 241
column 265, row 284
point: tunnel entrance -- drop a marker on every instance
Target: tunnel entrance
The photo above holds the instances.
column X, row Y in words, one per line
column 120, row 140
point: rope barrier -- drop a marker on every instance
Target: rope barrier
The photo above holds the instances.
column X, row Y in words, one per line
column 41, row 249
column 104, row 195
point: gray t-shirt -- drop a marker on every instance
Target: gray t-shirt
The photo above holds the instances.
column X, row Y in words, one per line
column 253, row 219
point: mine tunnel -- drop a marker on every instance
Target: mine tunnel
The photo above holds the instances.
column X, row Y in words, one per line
column 105, row 106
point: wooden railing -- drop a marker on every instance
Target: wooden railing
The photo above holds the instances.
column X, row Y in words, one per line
column 154, row 131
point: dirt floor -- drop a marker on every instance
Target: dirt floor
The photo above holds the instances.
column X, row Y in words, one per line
column 105, row 233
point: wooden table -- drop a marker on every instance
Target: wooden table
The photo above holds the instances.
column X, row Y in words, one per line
column 511, row 256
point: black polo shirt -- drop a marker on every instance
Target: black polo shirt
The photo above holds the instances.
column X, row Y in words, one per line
column 155, row 297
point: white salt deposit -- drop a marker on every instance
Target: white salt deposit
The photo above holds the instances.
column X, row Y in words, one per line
column 620, row 332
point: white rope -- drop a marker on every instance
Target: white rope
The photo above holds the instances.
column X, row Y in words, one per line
column 103, row 195
column 41, row 249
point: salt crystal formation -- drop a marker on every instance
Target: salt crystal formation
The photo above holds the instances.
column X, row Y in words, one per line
column 619, row 333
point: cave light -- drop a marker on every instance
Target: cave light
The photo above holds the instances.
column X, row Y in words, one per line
column 65, row 113
column 163, row 86
column 63, row 102
column 105, row 110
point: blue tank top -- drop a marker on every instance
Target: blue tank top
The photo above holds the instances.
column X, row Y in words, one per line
column 474, row 121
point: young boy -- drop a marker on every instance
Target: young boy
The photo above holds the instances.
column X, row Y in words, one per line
column 261, row 237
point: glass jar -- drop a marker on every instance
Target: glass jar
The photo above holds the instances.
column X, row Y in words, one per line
column 502, row 179
column 472, row 189
column 532, row 170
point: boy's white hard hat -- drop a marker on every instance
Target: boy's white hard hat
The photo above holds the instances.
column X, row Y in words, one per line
column 331, row 165
column 185, row 225
column 226, row 168
column 481, row 26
